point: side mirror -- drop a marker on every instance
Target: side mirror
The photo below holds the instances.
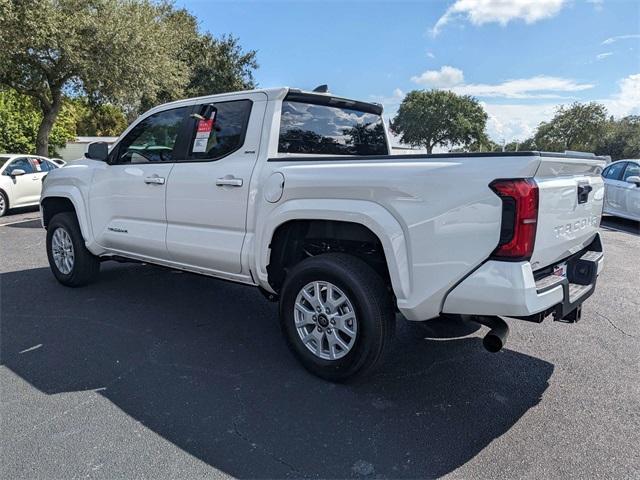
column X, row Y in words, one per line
column 98, row 151
column 16, row 172
column 633, row 179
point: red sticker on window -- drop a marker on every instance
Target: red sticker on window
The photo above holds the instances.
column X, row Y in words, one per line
column 205, row 126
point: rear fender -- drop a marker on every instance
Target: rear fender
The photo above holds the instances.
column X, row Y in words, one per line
column 369, row 214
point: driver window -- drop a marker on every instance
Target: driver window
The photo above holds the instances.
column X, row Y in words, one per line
column 632, row 170
column 20, row 164
column 153, row 139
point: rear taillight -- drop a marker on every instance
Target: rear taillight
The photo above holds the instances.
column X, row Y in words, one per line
column 519, row 218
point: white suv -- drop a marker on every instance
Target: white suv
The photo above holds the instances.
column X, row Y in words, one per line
column 21, row 180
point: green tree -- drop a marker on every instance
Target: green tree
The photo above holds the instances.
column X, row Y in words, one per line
column 484, row 144
column 126, row 52
column 19, row 121
column 621, row 138
column 577, row 127
column 440, row 118
column 219, row 65
column 97, row 120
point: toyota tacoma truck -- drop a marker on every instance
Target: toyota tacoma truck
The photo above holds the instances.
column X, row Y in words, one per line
column 296, row 193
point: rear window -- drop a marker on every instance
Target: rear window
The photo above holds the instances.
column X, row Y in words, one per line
column 307, row 128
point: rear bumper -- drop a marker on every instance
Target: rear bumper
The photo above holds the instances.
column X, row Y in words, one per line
column 512, row 289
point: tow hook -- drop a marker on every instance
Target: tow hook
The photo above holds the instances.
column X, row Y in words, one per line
column 496, row 337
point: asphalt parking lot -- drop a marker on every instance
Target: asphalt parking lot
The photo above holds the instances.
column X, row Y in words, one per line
column 154, row 374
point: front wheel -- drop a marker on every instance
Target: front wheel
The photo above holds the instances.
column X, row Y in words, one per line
column 4, row 204
column 337, row 316
column 70, row 261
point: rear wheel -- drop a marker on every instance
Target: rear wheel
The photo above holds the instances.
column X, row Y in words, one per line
column 337, row 316
column 4, row 204
column 70, row 261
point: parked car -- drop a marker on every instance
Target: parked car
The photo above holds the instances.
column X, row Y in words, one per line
column 21, row 180
column 296, row 193
column 58, row 161
column 622, row 189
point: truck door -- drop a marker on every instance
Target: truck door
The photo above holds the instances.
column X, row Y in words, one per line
column 127, row 197
column 207, row 194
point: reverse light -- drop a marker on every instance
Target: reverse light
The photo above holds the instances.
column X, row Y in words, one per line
column 519, row 218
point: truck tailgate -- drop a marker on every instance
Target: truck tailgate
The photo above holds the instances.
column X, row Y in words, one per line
column 571, row 194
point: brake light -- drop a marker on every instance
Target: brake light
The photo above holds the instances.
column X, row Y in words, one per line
column 519, row 218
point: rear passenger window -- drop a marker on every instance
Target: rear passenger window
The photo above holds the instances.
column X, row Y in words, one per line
column 41, row 165
column 221, row 131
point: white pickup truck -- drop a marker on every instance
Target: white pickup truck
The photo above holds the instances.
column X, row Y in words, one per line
column 296, row 193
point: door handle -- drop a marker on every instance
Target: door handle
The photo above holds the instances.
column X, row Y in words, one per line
column 154, row 180
column 229, row 181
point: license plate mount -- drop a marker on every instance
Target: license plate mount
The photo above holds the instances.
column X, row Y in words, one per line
column 560, row 270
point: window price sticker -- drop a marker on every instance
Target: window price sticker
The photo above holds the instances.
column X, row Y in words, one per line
column 203, row 133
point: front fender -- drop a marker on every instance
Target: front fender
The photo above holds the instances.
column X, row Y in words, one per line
column 73, row 194
column 371, row 215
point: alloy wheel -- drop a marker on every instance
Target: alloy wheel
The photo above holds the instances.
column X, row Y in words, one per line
column 325, row 320
column 62, row 250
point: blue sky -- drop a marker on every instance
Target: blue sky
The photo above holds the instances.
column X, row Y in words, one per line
column 520, row 58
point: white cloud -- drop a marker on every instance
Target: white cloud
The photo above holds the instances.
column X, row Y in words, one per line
column 517, row 122
column 611, row 40
column 444, row 78
column 627, row 100
column 541, row 86
column 479, row 12
column 430, row 55
column 602, row 56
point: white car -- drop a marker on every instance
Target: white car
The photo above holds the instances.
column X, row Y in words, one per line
column 622, row 189
column 296, row 193
column 58, row 161
column 21, row 180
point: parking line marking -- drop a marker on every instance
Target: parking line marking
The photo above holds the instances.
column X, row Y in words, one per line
column 31, row 349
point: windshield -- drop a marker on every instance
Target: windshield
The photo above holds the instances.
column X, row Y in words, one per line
column 326, row 130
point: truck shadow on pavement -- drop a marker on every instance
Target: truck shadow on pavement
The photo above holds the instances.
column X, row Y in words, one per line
column 202, row 363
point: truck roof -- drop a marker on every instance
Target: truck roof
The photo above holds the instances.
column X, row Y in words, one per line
column 276, row 93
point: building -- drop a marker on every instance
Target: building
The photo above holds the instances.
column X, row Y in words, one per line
column 75, row 150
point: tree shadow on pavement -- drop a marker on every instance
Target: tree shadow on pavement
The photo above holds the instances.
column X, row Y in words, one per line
column 202, row 363
column 26, row 224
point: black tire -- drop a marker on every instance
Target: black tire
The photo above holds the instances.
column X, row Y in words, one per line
column 4, row 204
column 86, row 266
column 372, row 303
